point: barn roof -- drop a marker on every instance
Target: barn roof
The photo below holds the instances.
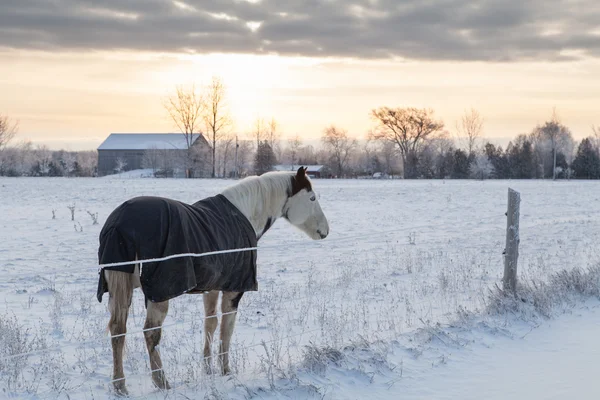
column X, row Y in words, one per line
column 288, row 167
column 144, row 141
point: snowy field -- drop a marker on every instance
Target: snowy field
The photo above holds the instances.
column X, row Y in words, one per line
column 395, row 303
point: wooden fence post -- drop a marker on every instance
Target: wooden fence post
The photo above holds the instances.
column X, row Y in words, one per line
column 511, row 253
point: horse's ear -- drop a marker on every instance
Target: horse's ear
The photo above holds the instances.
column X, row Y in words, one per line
column 300, row 181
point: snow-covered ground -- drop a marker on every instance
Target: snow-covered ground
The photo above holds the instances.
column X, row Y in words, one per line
column 556, row 360
column 393, row 304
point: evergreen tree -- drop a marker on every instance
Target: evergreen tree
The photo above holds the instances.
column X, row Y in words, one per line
column 499, row 161
column 376, row 164
column 561, row 165
column 77, row 169
column 521, row 159
column 444, row 164
column 586, row 164
column 36, row 170
column 265, row 158
column 426, row 165
column 54, row 169
column 460, row 165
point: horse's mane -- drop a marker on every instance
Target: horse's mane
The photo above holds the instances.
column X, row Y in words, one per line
column 261, row 197
column 256, row 186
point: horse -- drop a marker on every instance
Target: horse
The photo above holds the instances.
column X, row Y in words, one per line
column 130, row 234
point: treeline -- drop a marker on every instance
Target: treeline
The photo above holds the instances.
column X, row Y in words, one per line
column 427, row 151
column 405, row 142
column 25, row 159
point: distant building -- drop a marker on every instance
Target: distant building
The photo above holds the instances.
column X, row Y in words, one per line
column 163, row 152
column 314, row 171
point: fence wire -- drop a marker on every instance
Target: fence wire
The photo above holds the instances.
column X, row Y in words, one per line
column 295, row 244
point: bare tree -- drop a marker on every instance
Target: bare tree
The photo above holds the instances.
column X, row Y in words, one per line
column 481, row 168
column 17, row 160
column 558, row 135
column 568, row 147
column 551, row 130
column 274, row 137
column 120, row 164
column 226, row 149
column 433, row 153
column 69, row 160
column 442, row 141
column 340, row 146
column 294, row 145
column 152, row 159
column 244, row 158
column 8, row 130
column 407, row 128
column 389, row 152
column 367, row 161
column 541, row 148
column 42, row 157
column 186, row 108
column 307, row 155
column 259, row 130
column 217, row 117
column 87, row 161
column 173, row 161
column 596, row 132
column 470, row 129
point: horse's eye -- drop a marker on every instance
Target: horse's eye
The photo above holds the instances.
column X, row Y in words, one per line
column 313, row 198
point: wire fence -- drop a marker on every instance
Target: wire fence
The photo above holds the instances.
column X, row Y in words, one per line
column 142, row 331
column 361, row 236
column 339, row 239
column 378, row 233
column 296, row 244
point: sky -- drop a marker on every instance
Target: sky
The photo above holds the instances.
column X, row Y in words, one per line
column 73, row 71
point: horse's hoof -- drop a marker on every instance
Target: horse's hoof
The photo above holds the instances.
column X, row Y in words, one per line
column 160, row 381
column 120, row 388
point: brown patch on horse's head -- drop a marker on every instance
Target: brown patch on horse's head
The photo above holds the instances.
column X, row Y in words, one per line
column 300, row 181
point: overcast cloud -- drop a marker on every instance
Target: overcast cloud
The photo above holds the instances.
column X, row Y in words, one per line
column 500, row 30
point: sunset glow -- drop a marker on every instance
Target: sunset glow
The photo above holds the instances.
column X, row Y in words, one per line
column 74, row 94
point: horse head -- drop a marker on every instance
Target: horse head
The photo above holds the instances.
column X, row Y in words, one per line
column 302, row 209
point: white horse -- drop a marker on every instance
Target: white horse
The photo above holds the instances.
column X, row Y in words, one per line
column 262, row 200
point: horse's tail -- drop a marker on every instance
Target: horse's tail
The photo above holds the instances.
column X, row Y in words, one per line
column 114, row 248
column 117, row 281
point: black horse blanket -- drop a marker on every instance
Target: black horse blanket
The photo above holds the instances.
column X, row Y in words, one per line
column 154, row 227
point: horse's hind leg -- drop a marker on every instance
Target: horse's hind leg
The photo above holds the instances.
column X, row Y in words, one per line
column 155, row 316
column 229, row 305
column 210, row 325
column 120, row 289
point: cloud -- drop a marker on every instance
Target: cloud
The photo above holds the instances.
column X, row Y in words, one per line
column 459, row 30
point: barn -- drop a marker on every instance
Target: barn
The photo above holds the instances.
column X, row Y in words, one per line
column 129, row 151
column 314, row 171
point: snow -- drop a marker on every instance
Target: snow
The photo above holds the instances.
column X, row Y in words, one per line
column 553, row 361
column 388, row 290
column 134, row 173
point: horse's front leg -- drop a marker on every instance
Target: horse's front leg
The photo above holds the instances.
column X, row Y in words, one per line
column 229, row 304
column 210, row 325
column 155, row 316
